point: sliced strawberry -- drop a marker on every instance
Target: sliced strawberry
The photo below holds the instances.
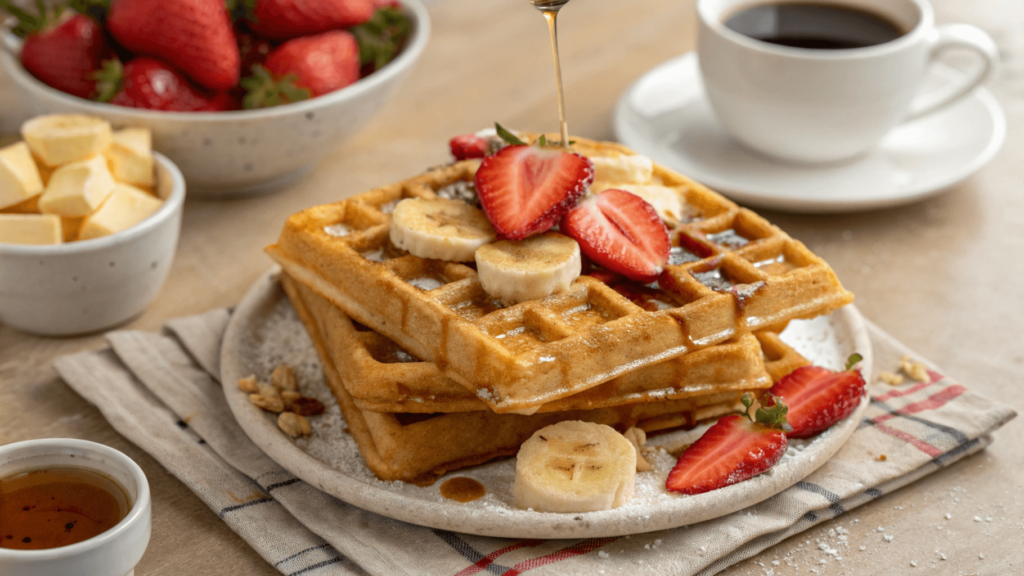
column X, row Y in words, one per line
column 621, row 232
column 526, row 190
column 818, row 397
column 733, row 450
column 468, row 146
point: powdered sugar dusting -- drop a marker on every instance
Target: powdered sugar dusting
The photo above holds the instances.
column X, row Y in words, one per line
column 276, row 337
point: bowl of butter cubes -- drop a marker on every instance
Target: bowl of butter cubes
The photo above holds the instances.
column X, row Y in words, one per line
column 89, row 223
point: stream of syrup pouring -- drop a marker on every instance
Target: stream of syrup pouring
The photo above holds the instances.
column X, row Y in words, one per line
column 550, row 8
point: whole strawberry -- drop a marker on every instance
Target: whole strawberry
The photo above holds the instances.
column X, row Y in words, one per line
column 155, row 85
column 193, row 35
column 303, row 68
column 285, row 19
column 63, row 52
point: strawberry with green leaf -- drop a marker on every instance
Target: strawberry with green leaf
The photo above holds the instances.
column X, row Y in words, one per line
column 735, row 449
column 303, row 68
column 818, row 397
column 61, row 49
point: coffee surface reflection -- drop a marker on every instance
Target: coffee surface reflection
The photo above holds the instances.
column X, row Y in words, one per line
column 813, row 26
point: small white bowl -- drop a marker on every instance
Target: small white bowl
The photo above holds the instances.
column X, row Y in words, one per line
column 242, row 152
column 112, row 553
column 80, row 287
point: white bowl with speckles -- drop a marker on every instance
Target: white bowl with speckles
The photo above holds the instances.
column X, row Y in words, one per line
column 243, row 152
column 87, row 286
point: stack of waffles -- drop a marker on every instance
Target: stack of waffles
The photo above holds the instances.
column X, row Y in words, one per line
column 433, row 374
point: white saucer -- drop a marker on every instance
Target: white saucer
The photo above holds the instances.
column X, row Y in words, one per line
column 666, row 116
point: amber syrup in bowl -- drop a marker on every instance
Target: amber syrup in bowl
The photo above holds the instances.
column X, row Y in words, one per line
column 56, row 507
column 550, row 8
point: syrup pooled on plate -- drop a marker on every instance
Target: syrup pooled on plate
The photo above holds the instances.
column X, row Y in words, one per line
column 58, row 507
column 462, row 489
column 550, row 10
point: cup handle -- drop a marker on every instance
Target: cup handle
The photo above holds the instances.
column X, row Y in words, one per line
column 957, row 36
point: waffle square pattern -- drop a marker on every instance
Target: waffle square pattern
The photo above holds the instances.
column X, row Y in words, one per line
column 730, row 272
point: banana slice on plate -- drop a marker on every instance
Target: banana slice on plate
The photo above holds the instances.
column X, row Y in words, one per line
column 575, row 466
column 440, row 228
column 529, row 269
column 61, row 138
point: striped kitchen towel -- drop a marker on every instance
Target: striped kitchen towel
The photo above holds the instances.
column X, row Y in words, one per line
column 158, row 391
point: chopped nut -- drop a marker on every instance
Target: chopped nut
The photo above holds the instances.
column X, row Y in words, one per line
column 637, row 437
column 890, row 378
column 882, row 458
column 294, row 425
column 284, row 378
column 248, row 384
column 915, row 370
column 268, row 403
column 289, row 397
column 267, row 390
column 307, row 407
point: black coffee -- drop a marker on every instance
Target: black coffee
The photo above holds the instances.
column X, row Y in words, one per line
column 814, row 26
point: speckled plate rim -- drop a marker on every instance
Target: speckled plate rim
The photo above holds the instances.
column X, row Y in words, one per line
column 263, row 431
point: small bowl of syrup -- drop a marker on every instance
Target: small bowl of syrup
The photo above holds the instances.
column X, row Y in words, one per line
column 71, row 507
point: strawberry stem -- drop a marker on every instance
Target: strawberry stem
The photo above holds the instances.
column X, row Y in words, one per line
column 264, row 91
column 109, row 80
column 772, row 413
column 28, row 23
column 381, row 37
column 853, row 359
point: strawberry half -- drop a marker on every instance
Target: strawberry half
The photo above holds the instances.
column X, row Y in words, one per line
column 735, row 449
column 818, row 397
column 468, row 146
column 621, row 232
column 526, row 189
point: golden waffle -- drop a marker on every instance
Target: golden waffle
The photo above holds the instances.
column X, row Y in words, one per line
column 730, row 271
column 381, row 377
column 419, row 448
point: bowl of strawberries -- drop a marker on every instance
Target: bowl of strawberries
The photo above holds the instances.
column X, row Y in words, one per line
column 244, row 96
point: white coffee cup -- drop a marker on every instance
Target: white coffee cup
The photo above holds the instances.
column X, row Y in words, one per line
column 814, row 106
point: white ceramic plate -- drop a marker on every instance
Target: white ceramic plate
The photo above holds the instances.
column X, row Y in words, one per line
column 666, row 116
column 265, row 332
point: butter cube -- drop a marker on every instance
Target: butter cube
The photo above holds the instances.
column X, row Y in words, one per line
column 71, row 228
column 77, row 189
column 19, row 176
column 623, row 170
column 61, row 138
column 130, row 156
column 30, row 229
column 126, row 207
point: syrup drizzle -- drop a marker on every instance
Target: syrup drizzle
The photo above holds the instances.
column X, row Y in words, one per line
column 550, row 8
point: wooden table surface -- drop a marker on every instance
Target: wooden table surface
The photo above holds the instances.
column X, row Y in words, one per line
column 946, row 275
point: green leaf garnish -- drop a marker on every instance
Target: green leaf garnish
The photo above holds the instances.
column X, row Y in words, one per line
column 853, row 359
column 507, row 136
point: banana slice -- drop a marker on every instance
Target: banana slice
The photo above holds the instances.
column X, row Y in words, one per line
column 529, row 269
column 440, row 228
column 575, row 466
column 623, row 169
column 61, row 138
column 667, row 202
